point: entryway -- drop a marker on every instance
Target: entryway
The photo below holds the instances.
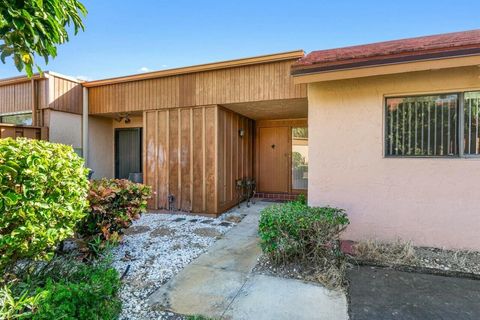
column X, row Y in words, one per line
column 282, row 156
column 128, row 153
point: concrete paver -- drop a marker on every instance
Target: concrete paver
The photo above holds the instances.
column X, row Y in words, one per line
column 265, row 297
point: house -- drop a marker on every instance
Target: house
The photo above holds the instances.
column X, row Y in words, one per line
column 388, row 131
column 393, row 129
column 47, row 106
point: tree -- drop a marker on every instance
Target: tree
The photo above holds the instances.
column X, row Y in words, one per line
column 30, row 28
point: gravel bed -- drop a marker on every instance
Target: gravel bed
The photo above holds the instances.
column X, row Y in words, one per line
column 448, row 260
column 154, row 249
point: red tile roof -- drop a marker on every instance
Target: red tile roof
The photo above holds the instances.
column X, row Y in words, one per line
column 413, row 49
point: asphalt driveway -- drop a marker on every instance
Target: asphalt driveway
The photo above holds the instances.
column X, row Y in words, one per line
column 381, row 294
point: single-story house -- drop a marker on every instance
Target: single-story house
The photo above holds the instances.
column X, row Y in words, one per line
column 389, row 131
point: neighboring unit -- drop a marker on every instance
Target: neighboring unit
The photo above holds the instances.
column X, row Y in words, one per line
column 51, row 103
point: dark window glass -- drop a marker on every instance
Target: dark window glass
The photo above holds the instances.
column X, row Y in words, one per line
column 422, row 126
column 18, row 119
column 471, row 108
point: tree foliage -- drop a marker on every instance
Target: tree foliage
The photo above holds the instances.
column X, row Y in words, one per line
column 30, row 28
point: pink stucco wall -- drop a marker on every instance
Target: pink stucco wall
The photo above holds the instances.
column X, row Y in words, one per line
column 432, row 202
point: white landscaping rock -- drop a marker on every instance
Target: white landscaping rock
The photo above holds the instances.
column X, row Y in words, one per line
column 155, row 257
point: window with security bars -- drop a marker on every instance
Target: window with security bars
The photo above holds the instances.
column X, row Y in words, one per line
column 422, row 126
column 471, row 114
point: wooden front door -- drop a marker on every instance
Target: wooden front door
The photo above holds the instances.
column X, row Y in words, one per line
column 273, row 159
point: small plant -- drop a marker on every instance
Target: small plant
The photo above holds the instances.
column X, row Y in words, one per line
column 43, row 189
column 199, row 317
column 114, row 205
column 20, row 307
column 90, row 294
column 65, row 290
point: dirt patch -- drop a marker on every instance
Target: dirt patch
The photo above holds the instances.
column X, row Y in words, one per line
column 207, row 232
column 333, row 277
column 162, row 232
column 391, row 253
column 136, row 230
column 405, row 254
column 224, row 224
column 234, row 218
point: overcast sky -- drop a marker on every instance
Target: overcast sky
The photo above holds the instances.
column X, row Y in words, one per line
column 125, row 37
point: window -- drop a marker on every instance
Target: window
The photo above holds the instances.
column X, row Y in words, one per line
column 18, row 119
column 445, row 125
column 471, row 113
column 299, row 158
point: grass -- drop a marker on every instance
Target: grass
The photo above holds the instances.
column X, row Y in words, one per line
column 390, row 253
column 199, row 317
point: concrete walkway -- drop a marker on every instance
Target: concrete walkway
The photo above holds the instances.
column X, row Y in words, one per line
column 220, row 284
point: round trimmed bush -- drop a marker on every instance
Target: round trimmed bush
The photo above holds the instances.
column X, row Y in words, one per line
column 294, row 231
column 43, row 194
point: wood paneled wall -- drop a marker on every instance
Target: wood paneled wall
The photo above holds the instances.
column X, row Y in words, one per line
column 235, row 155
column 195, row 155
column 259, row 82
column 64, row 95
column 16, row 97
column 12, row 131
column 50, row 92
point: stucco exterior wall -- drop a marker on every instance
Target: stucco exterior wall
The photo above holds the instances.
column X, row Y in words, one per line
column 101, row 144
column 101, row 140
column 430, row 201
column 65, row 128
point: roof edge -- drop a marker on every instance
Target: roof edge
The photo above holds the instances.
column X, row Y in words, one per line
column 385, row 60
column 289, row 55
column 35, row 76
column 20, row 79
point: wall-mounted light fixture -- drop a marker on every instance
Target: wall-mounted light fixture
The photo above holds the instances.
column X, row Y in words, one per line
column 123, row 116
column 241, row 132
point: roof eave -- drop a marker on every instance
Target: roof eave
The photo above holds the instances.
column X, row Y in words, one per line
column 384, row 60
column 290, row 55
column 386, row 68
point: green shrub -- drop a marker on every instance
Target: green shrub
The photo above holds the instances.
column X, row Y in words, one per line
column 296, row 232
column 90, row 294
column 114, row 205
column 43, row 189
column 69, row 290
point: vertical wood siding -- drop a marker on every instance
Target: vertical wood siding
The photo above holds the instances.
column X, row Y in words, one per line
column 235, row 155
column 49, row 93
column 12, row 131
column 16, row 97
column 267, row 81
column 64, row 95
column 183, row 159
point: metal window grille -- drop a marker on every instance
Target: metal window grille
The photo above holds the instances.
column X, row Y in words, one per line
column 423, row 126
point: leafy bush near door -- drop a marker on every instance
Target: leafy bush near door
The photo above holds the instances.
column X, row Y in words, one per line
column 43, row 188
column 294, row 232
column 114, row 205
